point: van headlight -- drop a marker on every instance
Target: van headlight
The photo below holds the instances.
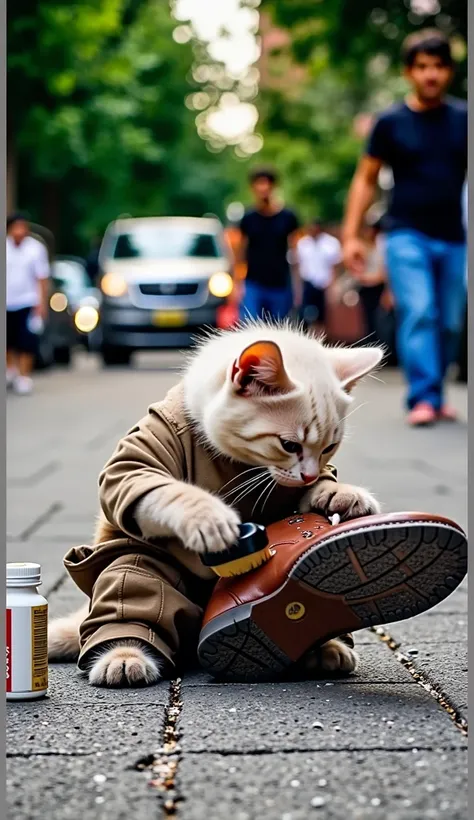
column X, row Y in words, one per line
column 58, row 302
column 86, row 319
column 113, row 284
column 221, row 284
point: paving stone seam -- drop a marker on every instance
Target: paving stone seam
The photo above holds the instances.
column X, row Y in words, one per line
column 321, row 750
column 163, row 764
column 49, row 753
column 48, row 514
column 145, row 763
column 423, row 679
column 244, row 686
column 34, row 478
column 56, row 585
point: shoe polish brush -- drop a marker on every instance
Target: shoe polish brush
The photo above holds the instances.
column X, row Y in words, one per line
column 250, row 551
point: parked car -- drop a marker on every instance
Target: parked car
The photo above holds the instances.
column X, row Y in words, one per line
column 74, row 307
column 45, row 352
column 162, row 279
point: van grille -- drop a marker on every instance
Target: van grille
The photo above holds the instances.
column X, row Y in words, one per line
column 169, row 289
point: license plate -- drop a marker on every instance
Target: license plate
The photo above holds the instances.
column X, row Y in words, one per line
column 170, row 318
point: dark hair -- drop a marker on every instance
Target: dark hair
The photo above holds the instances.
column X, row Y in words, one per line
column 428, row 41
column 263, row 173
column 18, row 216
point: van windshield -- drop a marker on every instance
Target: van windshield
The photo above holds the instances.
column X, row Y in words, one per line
column 147, row 242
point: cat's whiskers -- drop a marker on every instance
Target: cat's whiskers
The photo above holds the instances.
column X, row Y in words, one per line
column 250, row 489
column 371, row 376
column 240, row 475
column 272, row 480
column 354, row 410
column 254, row 480
column 272, row 487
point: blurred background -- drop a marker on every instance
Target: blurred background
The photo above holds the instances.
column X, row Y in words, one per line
column 147, row 108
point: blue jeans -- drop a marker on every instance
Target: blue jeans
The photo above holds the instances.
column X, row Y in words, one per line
column 259, row 299
column 428, row 281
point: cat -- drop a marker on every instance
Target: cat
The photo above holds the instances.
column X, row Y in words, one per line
column 298, row 393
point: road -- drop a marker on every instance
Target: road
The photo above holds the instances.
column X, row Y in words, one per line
column 388, row 742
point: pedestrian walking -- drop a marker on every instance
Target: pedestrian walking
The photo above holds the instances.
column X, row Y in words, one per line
column 424, row 141
column 272, row 285
column 318, row 255
column 27, row 271
column 92, row 260
column 462, row 361
column 373, row 280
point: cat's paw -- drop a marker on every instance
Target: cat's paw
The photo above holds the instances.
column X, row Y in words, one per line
column 200, row 520
column 211, row 526
column 330, row 497
column 333, row 656
column 124, row 663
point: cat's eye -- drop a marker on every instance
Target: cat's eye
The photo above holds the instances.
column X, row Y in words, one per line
column 291, row 446
column 328, row 449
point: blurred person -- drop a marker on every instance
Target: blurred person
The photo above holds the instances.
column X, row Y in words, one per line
column 92, row 260
column 373, row 280
column 272, row 285
column 424, row 141
column 462, row 361
column 27, row 269
column 318, row 254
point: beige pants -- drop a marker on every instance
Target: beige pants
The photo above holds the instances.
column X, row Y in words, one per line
column 141, row 591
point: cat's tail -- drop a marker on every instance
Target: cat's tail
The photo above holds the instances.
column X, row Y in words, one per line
column 63, row 635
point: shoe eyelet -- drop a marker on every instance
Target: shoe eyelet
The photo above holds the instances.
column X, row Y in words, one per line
column 306, row 533
column 298, row 520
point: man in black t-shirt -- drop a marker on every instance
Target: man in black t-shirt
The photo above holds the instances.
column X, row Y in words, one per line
column 272, row 284
column 424, row 142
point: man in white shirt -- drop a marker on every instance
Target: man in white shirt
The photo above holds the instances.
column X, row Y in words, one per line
column 26, row 300
column 318, row 254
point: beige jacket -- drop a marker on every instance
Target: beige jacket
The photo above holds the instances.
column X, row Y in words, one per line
column 156, row 591
column 163, row 447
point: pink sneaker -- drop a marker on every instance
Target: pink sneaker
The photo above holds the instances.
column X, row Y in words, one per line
column 421, row 415
column 447, row 413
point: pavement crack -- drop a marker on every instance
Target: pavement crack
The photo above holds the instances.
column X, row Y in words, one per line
column 42, row 519
column 111, row 432
column 34, row 478
column 27, row 755
column 423, row 679
column 57, row 584
column 163, row 764
column 288, row 750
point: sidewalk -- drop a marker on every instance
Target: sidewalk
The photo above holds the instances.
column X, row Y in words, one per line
column 387, row 743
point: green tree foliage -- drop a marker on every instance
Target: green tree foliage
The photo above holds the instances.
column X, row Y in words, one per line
column 353, row 32
column 97, row 123
column 96, row 116
column 351, row 55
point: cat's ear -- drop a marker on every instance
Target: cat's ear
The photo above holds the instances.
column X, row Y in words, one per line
column 260, row 370
column 353, row 363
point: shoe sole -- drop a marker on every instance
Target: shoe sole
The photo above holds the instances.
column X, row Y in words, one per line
column 357, row 579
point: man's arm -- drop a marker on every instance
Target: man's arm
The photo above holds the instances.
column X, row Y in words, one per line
column 241, row 250
column 42, row 273
column 44, row 294
column 360, row 197
column 296, row 280
column 336, row 261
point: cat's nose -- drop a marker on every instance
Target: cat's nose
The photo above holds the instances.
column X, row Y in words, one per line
column 308, row 479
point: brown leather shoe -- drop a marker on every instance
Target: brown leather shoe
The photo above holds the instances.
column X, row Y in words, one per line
column 323, row 581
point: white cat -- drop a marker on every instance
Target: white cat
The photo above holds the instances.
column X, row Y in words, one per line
column 298, row 395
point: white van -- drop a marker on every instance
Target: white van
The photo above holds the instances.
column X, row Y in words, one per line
column 162, row 279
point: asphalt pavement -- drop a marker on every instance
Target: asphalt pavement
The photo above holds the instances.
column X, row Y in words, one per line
column 388, row 743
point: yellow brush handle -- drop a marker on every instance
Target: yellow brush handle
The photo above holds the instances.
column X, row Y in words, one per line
column 239, row 566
